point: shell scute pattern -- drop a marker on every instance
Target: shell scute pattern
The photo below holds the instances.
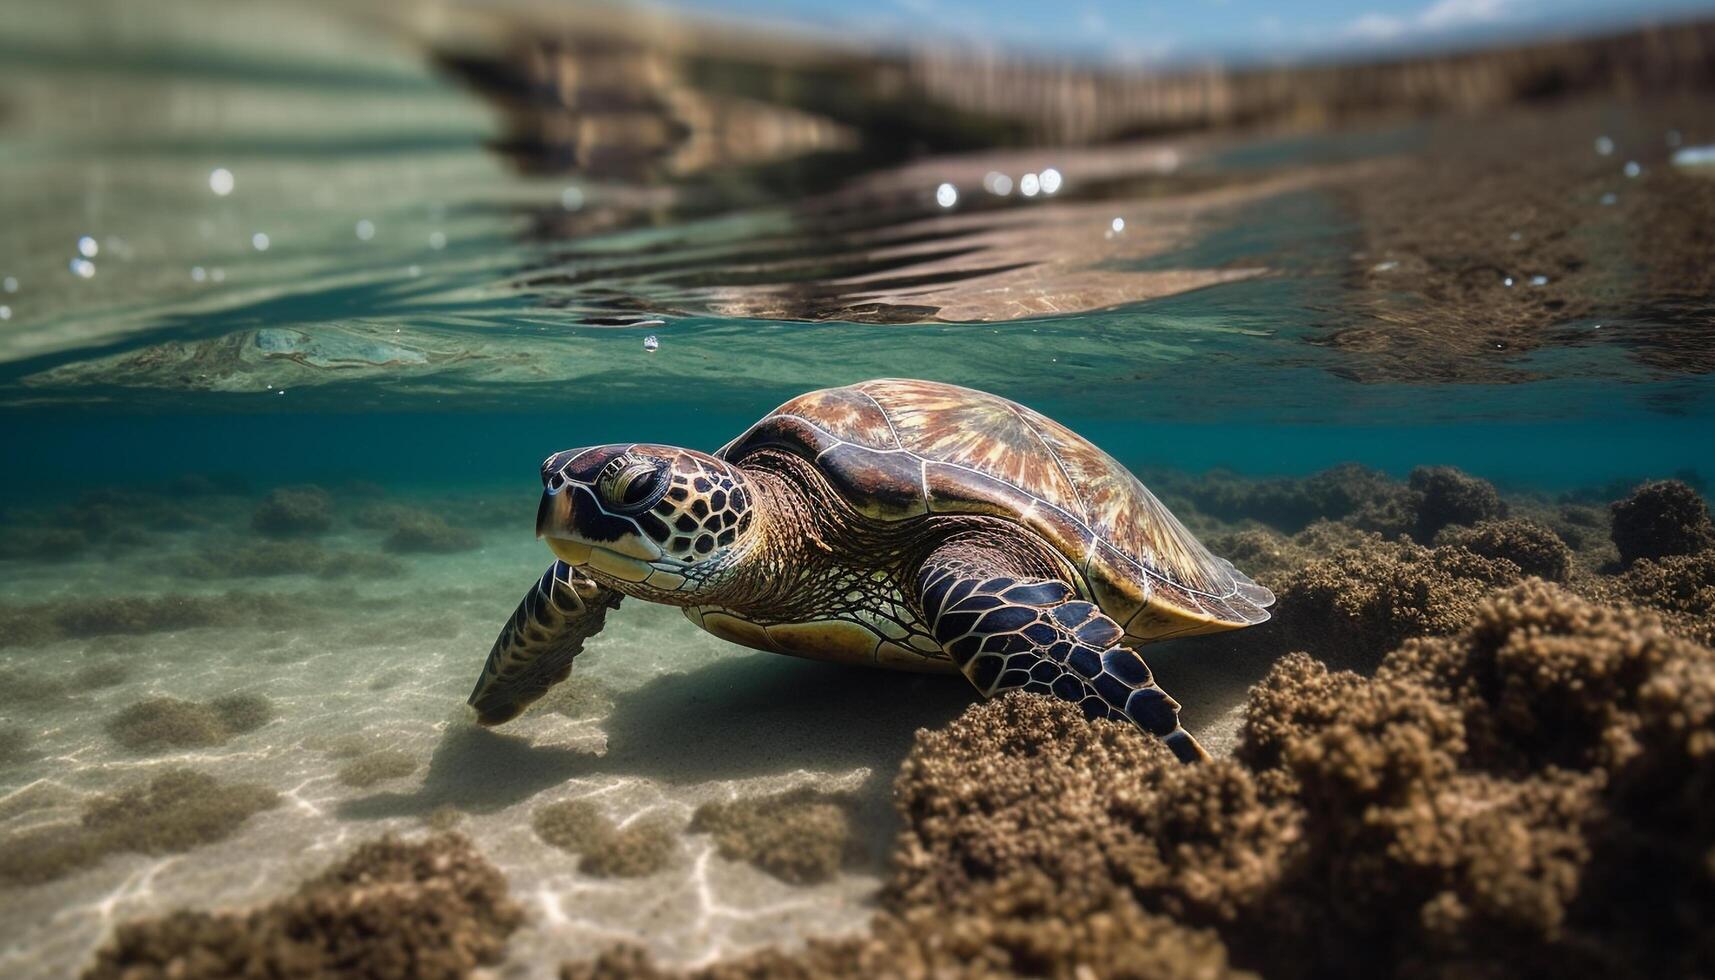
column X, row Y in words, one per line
column 976, row 453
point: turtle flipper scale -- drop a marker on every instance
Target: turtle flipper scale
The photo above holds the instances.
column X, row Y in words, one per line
column 535, row 648
column 1008, row 631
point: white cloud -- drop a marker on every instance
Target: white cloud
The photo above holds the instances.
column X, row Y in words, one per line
column 1458, row 13
column 1375, row 27
column 1443, row 15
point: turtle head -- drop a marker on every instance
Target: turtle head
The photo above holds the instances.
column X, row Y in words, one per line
column 637, row 513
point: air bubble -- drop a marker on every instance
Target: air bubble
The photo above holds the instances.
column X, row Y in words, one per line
column 220, row 181
column 946, row 195
column 651, row 344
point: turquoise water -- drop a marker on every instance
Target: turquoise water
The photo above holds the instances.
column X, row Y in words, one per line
column 431, row 314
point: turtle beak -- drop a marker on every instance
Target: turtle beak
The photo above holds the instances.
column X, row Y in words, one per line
column 554, row 513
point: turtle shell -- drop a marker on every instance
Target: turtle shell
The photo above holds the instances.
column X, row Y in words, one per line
column 903, row 450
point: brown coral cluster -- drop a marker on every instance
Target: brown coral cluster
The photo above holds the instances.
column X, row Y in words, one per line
column 1527, row 797
column 801, row 836
column 177, row 810
column 605, row 849
column 392, row 910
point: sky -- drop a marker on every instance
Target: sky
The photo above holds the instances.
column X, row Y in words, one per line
column 1148, row 32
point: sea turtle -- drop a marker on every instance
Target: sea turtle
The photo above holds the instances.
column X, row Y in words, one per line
column 904, row 524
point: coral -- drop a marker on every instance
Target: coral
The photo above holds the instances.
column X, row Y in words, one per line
column 377, row 767
column 1679, row 587
column 641, row 848
column 1289, row 504
column 1535, row 549
column 392, row 910
column 1526, row 797
column 800, row 836
column 429, row 534
column 1447, row 496
column 160, row 723
column 1661, row 519
column 1544, row 678
column 571, row 825
column 1267, row 555
column 294, row 511
column 1019, row 933
column 177, row 810
column 1362, row 602
column 1024, row 784
column 605, row 849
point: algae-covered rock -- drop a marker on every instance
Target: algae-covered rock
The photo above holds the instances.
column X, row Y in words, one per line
column 294, row 511
column 426, row 533
column 1526, row 796
column 1661, row 519
column 1358, row 604
column 177, row 810
column 377, row 767
column 394, row 909
column 1679, row 587
column 30, row 624
column 1447, row 496
column 160, row 723
column 801, row 836
column 1535, row 549
column 606, row 850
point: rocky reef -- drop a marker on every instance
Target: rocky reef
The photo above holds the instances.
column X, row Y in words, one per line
column 605, row 849
column 801, row 836
column 372, row 768
column 394, row 909
column 1661, row 519
column 1525, row 797
column 1510, row 783
column 159, row 723
column 294, row 511
column 33, row 624
column 175, row 811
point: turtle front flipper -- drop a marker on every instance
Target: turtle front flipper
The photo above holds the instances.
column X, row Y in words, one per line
column 535, row 648
column 1008, row 630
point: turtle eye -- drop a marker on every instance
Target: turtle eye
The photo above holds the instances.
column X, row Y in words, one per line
column 635, row 485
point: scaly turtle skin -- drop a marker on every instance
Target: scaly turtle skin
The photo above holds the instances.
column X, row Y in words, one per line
column 904, row 524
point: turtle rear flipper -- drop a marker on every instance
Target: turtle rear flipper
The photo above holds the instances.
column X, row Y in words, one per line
column 535, row 649
column 1009, row 631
